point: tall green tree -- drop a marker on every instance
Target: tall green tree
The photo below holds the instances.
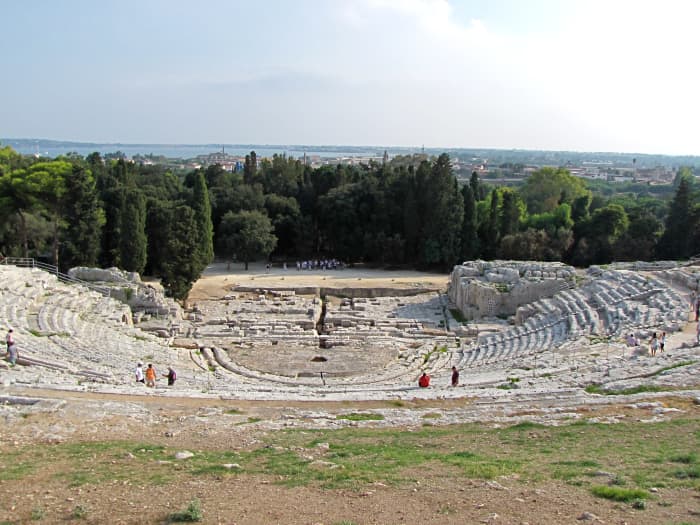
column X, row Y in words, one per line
column 491, row 236
column 511, row 212
column 84, row 220
column 470, row 237
column 250, row 168
column 246, row 235
column 676, row 243
column 443, row 214
column 178, row 269
column 133, row 241
column 547, row 188
column 17, row 197
column 286, row 218
column 477, row 187
column 204, row 230
column 48, row 180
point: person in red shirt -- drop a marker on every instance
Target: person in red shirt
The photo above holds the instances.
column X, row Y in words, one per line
column 424, row 381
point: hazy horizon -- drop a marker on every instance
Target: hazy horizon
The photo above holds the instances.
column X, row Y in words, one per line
column 584, row 76
column 378, row 148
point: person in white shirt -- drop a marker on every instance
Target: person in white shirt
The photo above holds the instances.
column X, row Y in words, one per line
column 139, row 373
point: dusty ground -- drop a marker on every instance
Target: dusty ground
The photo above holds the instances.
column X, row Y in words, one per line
column 437, row 493
column 51, row 492
column 218, row 279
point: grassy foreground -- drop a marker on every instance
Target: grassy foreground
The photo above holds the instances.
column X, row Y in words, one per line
column 630, row 455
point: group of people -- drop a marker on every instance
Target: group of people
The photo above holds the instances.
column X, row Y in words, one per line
column 320, row 264
column 148, row 376
column 424, row 379
column 656, row 342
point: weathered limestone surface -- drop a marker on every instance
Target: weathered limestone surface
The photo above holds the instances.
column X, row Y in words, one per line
column 497, row 288
column 128, row 288
column 279, row 345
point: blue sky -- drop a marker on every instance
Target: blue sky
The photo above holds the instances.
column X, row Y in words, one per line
column 578, row 75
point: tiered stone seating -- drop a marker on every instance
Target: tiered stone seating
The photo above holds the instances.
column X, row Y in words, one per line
column 76, row 330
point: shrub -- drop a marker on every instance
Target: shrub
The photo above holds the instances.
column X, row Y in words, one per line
column 618, row 494
column 192, row 513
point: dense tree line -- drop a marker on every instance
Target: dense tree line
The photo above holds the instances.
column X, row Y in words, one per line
column 412, row 212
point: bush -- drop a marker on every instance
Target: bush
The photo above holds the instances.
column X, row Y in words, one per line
column 192, row 513
column 618, row 494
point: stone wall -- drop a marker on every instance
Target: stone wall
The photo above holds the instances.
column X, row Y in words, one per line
column 497, row 288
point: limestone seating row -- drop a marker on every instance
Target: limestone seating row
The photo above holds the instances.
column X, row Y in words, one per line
column 636, row 303
column 101, row 345
column 398, row 373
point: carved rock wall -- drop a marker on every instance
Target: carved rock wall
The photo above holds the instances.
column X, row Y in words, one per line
column 497, row 288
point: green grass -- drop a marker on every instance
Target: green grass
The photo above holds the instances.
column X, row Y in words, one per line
column 619, row 494
column 640, row 456
column 233, row 411
column 597, row 389
column 13, row 471
column 192, row 513
column 79, row 512
column 249, row 420
column 357, row 416
column 671, row 367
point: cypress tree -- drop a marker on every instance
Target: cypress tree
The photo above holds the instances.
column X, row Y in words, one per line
column 81, row 238
column 492, row 239
column 444, row 213
column 204, row 251
column 675, row 243
column 132, row 242
column 470, row 237
column 510, row 214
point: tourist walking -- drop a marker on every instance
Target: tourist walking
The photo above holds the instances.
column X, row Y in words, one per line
column 139, row 373
column 9, row 339
column 171, row 375
column 150, row 376
column 662, row 342
column 455, row 376
column 653, row 344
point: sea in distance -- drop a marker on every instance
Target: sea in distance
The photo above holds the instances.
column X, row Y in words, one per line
column 47, row 148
